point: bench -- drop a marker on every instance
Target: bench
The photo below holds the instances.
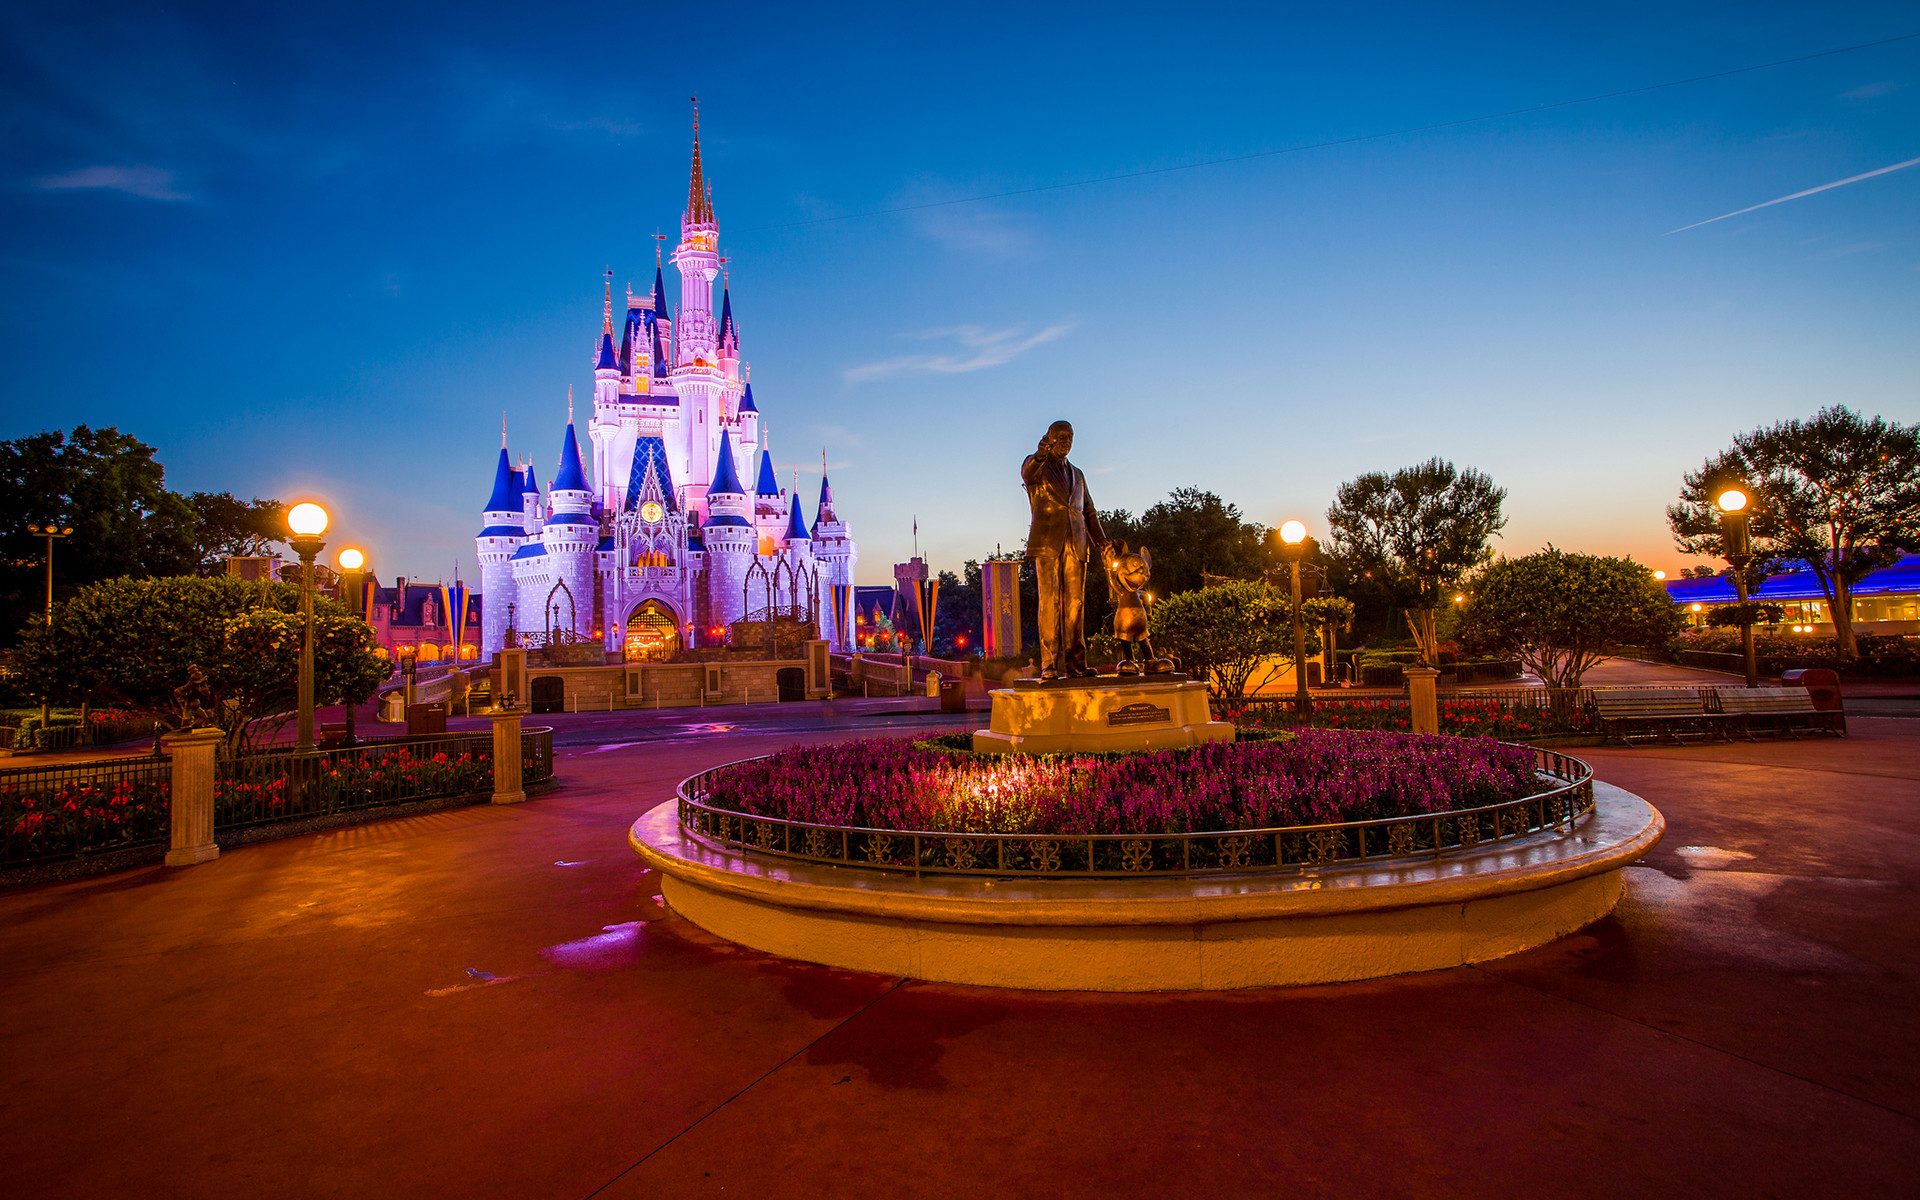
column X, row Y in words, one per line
column 1672, row 713
column 1784, row 710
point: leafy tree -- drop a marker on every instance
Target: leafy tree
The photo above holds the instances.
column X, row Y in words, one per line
column 1838, row 492
column 1739, row 616
column 1233, row 633
column 225, row 526
column 1560, row 613
column 1417, row 533
column 143, row 644
column 108, row 486
column 1193, row 534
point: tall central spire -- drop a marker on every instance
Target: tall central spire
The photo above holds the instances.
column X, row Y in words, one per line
column 699, row 202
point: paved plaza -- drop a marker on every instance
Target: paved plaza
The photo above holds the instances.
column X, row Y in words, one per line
column 491, row 1001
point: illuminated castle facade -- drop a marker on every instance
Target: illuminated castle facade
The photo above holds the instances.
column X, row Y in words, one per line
column 664, row 546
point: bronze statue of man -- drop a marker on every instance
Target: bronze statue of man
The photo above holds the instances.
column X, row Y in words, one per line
column 1065, row 526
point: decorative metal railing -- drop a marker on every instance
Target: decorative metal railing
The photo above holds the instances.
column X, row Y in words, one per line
column 1235, row 851
column 69, row 809
column 66, row 811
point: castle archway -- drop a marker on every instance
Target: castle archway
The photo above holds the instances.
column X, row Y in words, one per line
column 653, row 633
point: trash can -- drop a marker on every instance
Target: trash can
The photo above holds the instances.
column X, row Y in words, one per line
column 426, row 719
column 953, row 695
column 1823, row 688
column 933, row 683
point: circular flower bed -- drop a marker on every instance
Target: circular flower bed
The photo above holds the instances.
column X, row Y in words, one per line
column 1306, row 778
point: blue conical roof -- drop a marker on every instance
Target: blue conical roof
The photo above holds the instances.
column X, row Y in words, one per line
column 659, row 296
column 768, row 485
column 746, row 401
column 825, row 511
column 571, row 478
column 609, row 360
column 506, row 497
column 725, row 477
column 797, row 524
column 726, row 316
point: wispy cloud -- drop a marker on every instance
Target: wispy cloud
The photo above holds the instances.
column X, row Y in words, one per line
column 150, row 182
column 1900, row 166
column 980, row 348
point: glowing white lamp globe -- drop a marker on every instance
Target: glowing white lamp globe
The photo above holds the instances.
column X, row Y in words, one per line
column 1293, row 533
column 352, row 560
column 1659, row 574
column 1732, row 500
column 307, row 519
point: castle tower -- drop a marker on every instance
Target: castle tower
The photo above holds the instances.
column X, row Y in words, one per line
column 571, row 536
column 836, row 554
column 698, row 378
column 730, row 538
column 769, row 505
column 502, row 533
column 797, row 542
column 747, row 414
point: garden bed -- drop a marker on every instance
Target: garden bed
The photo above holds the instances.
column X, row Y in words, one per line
column 1313, row 777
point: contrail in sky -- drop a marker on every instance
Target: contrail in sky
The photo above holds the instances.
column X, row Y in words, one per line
column 1810, row 191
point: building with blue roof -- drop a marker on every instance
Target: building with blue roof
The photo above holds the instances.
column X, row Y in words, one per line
column 646, row 541
column 1886, row 601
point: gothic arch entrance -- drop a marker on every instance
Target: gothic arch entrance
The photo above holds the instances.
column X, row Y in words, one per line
column 652, row 634
column 560, row 609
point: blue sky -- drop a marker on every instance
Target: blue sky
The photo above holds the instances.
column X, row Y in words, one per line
column 315, row 253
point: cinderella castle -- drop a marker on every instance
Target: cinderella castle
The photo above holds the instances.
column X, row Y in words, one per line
column 665, row 548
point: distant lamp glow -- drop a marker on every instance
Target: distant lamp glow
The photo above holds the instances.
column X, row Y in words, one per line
column 1293, row 533
column 307, row 519
column 1732, row 500
column 1659, row 574
column 1693, row 607
column 1459, row 598
column 352, row 560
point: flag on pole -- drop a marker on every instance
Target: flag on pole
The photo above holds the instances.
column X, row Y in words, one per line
column 453, row 601
column 929, row 599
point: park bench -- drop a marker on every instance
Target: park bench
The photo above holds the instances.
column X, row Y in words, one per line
column 1784, row 709
column 1670, row 713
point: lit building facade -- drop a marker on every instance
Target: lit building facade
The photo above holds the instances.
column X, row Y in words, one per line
column 664, row 545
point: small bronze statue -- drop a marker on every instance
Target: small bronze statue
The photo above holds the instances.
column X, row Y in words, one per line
column 1065, row 525
column 1128, row 574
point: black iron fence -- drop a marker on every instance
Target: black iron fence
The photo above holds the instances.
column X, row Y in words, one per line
column 62, row 811
column 67, row 810
column 1294, row 848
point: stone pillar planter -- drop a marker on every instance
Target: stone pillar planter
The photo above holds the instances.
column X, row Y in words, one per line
column 506, row 758
column 1424, row 699
column 191, row 799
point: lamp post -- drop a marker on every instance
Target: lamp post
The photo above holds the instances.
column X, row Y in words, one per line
column 1293, row 540
column 1734, row 531
column 49, row 532
column 307, row 521
column 352, row 586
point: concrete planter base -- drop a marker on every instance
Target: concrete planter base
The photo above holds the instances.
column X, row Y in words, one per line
column 1161, row 934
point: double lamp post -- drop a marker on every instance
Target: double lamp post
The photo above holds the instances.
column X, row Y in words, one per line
column 1736, row 535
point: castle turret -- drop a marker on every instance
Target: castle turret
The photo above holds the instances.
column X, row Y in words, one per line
column 769, row 505
column 729, row 536
column 698, row 379
column 606, row 360
column 835, row 553
column 502, row 533
column 571, row 536
column 747, row 414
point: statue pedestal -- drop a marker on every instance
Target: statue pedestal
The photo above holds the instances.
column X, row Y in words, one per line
column 1105, row 714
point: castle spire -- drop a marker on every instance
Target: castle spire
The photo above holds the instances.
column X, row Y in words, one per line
column 569, row 404
column 699, row 196
column 606, row 309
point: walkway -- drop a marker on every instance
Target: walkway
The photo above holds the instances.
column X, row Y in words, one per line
column 490, row 1001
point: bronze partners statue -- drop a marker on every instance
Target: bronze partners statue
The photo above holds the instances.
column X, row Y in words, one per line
column 1065, row 527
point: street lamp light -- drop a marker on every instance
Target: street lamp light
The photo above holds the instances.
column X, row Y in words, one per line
column 351, row 588
column 1293, row 541
column 1735, row 531
column 49, row 532
column 307, row 521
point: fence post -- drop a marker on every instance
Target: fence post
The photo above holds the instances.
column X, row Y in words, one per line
column 190, row 802
column 506, row 757
column 1423, row 699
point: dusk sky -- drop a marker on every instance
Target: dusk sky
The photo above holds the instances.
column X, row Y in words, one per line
column 313, row 253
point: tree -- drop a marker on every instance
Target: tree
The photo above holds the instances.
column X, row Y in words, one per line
column 111, row 490
column 1229, row 632
column 225, row 526
column 1560, row 613
column 137, row 643
column 956, row 627
column 1418, row 533
column 1193, row 533
column 1838, row 492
